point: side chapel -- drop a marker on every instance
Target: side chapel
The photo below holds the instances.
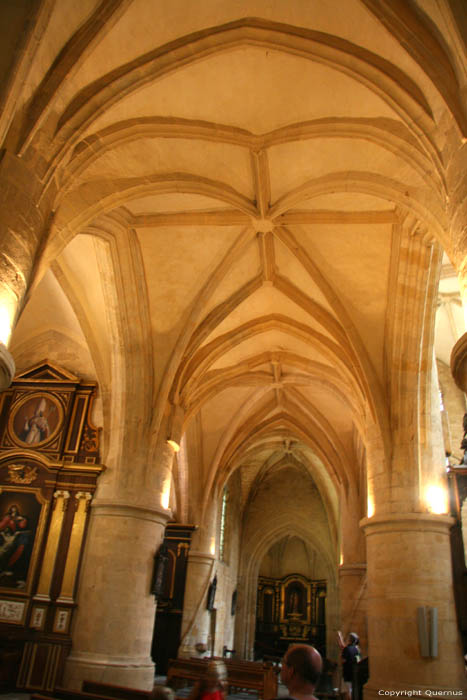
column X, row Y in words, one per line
column 233, row 358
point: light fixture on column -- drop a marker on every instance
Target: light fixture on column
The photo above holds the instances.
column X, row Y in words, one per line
column 173, row 444
column 436, row 499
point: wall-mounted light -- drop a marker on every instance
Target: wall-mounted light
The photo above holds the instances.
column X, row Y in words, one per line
column 436, row 499
column 173, row 444
column 5, row 324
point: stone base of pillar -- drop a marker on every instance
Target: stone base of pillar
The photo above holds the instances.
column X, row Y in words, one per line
column 129, row 672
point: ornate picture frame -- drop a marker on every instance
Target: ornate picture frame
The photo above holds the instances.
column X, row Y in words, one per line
column 35, row 419
column 23, row 515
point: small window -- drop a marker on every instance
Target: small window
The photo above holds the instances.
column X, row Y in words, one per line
column 222, row 538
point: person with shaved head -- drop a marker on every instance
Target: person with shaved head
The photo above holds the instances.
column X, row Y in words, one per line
column 301, row 668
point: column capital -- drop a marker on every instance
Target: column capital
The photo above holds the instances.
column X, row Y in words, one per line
column 406, row 522
column 201, row 557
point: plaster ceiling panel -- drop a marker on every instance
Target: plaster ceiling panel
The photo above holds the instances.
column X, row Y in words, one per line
column 86, row 271
column 240, row 271
column 178, row 262
column 318, row 157
column 64, row 342
column 148, row 156
column 329, row 404
column 172, row 203
column 356, row 259
column 270, row 341
column 291, row 268
column 260, row 90
column 265, row 301
column 65, row 19
column 144, row 27
column 217, row 418
column 342, row 201
column 84, row 260
column 56, row 311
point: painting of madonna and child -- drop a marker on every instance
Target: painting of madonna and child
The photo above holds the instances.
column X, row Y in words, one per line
column 19, row 523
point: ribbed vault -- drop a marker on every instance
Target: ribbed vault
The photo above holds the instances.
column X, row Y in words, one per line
column 252, row 181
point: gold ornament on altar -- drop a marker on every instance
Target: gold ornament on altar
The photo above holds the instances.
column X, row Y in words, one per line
column 21, row 474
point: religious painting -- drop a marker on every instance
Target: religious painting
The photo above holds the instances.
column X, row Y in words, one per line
column 36, row 419
column 21, row 521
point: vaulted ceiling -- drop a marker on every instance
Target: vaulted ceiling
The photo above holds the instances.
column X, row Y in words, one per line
column 229, row 186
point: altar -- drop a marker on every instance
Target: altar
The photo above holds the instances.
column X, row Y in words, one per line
column 290, row 609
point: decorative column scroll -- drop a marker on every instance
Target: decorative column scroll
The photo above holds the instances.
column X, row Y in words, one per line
column 61, row 504
column 83, row 499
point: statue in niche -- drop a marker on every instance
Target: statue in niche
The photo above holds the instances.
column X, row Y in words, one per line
column 294, row 599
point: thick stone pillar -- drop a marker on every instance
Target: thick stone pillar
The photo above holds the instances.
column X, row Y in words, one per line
column 408, row 560
column 353, row 592
column 113, row 634
column 22, row 225
column 196, row 618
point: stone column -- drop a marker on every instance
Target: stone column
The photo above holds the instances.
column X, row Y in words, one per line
column 22, row 224
column 353, row 590
column 196, row 621
column 113, row 633
column 196, row 618
column 409, row 566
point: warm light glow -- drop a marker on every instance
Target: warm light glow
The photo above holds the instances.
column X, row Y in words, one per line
column 5, row 325
column 174, row 445
column 436, row 499
column 370, row 507
column 165, row 495
column 341, row 560
column 213, row 546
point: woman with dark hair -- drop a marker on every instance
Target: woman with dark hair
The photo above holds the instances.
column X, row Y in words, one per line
column 350, row 657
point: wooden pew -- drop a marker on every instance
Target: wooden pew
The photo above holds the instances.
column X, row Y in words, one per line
column 241, row 675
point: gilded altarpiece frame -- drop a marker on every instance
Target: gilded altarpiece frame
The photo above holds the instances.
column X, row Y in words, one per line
column 49, row 465
column 290, row 609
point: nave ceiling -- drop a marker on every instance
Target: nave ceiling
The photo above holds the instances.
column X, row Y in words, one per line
column 231, row 197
